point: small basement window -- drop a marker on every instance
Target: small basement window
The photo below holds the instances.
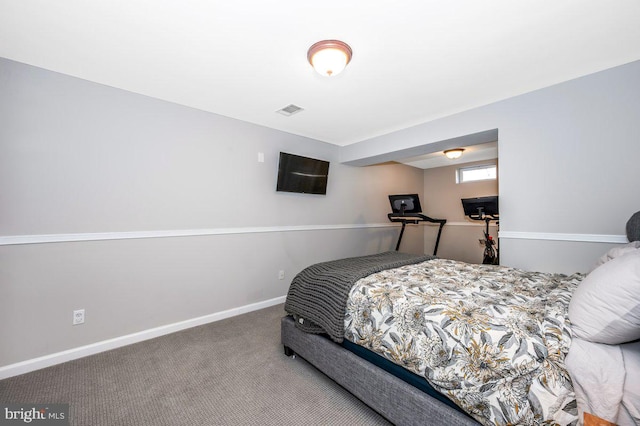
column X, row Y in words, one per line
column 475, row 173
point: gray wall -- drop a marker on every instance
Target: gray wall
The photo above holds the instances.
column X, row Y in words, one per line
column 79, row 159
column 568, row 165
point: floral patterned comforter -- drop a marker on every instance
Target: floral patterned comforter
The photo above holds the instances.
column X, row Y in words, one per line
column 491, row 338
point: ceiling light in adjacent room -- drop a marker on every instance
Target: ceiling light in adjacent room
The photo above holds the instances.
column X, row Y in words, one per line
column 453, row 154
column 329, row 57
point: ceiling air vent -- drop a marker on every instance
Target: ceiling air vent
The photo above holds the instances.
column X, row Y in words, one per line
column 290, row 110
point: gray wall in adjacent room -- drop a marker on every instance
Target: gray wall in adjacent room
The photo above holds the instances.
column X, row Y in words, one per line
column 460, row 239
column 568, row 165
column 78, row 157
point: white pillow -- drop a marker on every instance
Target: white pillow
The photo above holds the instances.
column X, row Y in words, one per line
column 605, row 308
column 617, row 251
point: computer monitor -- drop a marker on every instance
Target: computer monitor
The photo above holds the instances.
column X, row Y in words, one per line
column 479, row 207
column 406, row 203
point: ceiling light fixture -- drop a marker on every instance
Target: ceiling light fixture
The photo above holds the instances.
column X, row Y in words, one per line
column 329, row 57
column 453, row 154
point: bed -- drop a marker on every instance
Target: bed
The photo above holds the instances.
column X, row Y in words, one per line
column 424, row 340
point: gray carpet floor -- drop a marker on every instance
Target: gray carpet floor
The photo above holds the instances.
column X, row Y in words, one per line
column 231, row 372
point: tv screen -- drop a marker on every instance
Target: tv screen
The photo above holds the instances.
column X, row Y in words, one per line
column 302, row 174
column 407, row 203
column 481, row 206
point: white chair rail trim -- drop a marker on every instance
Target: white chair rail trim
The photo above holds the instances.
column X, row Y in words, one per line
column 102, row 236
column 584, row 238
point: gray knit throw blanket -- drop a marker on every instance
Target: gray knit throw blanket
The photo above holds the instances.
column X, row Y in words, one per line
column 318, row 295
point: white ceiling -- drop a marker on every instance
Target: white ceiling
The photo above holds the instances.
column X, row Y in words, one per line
column 413, row 61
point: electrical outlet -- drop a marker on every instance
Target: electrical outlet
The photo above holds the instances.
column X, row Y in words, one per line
column 78, row 316
column 281, row 275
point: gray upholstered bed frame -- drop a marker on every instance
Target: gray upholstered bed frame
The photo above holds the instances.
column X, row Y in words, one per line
column 397, row 401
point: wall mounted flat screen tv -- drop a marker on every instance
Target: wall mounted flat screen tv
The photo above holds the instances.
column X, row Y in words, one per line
column 302, row 174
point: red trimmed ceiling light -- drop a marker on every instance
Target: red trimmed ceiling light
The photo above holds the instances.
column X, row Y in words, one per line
column 329, row 57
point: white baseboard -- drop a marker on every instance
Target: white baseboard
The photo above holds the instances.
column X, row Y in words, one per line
column 106, row 345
